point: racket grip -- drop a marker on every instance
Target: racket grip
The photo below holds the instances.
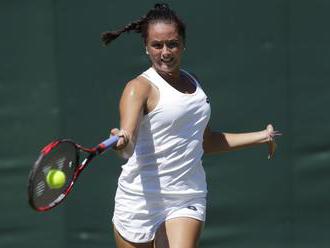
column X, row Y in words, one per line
column 106, row 144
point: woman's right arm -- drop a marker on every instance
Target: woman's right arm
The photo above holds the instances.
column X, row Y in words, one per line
column 131, row 108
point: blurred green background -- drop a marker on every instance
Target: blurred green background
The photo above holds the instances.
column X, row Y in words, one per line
column 259, row 61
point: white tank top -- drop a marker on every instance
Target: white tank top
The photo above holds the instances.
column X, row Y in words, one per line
column 169, row 145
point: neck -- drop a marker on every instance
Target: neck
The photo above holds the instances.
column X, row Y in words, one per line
column 170, row 77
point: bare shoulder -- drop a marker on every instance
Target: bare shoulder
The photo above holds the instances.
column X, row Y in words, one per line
column 138, row 86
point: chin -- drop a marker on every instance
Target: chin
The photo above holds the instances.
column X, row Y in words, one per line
column 167, row 69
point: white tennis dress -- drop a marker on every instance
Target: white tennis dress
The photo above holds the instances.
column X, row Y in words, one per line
column 164, row 177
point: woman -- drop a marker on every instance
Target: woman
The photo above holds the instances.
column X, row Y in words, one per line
column 161, row 195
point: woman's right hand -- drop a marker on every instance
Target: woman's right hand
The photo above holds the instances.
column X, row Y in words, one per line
column 123, row 140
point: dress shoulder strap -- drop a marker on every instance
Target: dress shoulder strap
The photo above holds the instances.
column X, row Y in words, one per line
column 152, row 76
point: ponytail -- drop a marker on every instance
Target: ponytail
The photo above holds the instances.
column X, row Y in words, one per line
column 160, row 12
column 109, row 36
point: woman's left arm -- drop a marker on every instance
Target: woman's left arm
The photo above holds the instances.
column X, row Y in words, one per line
column 217, row 142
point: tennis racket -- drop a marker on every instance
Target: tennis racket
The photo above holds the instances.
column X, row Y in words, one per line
column 62, row 156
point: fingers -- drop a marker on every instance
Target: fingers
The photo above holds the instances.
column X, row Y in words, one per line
column 123, row 140
column 275, row 133
column 271, row 133
column 271, row 148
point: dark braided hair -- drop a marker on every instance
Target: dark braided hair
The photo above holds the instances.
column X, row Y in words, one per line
column 160, row 13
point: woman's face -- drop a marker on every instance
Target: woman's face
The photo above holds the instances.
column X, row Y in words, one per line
column 164, row 46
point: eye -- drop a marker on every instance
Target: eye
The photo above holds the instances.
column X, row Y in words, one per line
column 173, row 44
column 157, row 45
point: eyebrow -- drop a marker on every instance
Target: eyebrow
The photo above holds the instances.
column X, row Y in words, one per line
column 175, row 40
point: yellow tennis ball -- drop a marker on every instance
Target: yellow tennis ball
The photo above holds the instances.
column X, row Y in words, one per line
column 55, row 179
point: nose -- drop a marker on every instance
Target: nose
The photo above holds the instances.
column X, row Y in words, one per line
column 165, row 51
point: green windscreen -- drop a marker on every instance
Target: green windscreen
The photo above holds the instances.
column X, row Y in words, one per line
column 258, row 61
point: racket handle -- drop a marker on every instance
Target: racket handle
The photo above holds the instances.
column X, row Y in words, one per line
column 106, row 144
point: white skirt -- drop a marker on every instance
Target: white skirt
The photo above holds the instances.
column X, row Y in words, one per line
column 137, row 217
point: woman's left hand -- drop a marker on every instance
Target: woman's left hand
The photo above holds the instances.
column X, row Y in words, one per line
column 271, row 134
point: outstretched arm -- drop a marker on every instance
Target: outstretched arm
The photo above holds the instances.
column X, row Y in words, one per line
column 217, row 142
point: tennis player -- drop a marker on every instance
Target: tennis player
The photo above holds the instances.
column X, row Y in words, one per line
column 164, row 114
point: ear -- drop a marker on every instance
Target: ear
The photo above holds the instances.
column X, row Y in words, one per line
column 147, row 51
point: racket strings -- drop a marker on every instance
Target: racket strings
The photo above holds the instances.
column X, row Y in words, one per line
column 63, row 157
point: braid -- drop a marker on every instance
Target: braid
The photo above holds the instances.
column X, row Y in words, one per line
column 109, row 36
column 160, row 12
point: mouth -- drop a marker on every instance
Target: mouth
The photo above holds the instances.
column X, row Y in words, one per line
column 167, row 61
